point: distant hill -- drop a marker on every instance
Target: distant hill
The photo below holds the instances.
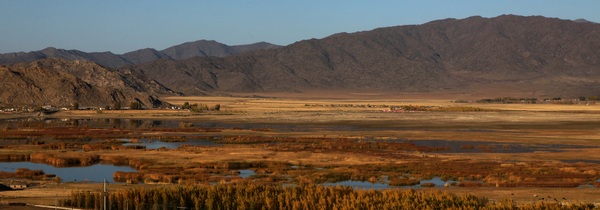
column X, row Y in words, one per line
column 581, row 20
column 186, row 50
column 62, row 83
column 514, row 54
column 104, row 58
column 204, row 48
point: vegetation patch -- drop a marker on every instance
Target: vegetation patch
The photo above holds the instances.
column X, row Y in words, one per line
column 303, row 196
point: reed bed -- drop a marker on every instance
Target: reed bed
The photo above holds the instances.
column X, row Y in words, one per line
column 302, row 196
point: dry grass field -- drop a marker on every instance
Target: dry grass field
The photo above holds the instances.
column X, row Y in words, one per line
column 496, row 150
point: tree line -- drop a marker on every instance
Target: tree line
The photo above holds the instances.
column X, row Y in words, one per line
column 200, row 107
column 134, row 105
column 302, row 196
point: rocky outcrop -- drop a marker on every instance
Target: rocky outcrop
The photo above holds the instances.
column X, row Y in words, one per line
column 59, row 82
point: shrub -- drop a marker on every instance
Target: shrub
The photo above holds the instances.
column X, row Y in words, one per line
column 428, row 184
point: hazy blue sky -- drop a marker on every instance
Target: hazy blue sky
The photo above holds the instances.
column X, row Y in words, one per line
column 125, row 25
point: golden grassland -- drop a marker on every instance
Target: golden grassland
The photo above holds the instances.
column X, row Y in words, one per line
column 349, row 139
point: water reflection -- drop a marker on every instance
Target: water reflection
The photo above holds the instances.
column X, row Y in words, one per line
column 124, row 123
column 245, row 173
column 94, row 173
column 360, row 185
column 435, row 182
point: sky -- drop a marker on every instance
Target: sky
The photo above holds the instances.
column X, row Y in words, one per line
column 121, row 26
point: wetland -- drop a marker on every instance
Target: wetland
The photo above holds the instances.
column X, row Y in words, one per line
column 516, row 148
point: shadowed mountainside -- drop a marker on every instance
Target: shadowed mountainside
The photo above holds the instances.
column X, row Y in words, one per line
column 201, row 48
column 62, row 83
column 510, row 53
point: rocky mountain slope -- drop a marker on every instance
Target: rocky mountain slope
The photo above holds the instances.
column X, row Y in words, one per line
column 511, row 53
column 201, row 48
column 60, row 82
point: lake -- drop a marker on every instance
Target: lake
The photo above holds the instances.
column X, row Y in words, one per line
column 93, row 173
column 155, row 144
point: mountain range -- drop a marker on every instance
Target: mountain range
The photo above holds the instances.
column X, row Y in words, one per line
column 202, row 48
column 503, row 56
column 510, row 53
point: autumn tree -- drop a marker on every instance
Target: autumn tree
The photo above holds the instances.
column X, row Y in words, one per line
column 135, row 105
column 186, row 105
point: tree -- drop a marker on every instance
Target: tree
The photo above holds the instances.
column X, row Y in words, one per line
column 186, row 105
column 135, row 105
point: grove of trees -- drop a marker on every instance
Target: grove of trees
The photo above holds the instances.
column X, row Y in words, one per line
column 200, row 107
column 302, row 196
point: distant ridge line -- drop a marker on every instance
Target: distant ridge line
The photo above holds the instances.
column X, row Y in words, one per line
column 202, row 48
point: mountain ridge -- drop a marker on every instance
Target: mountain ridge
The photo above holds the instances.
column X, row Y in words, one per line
column 504, row 56
column 534, row 53
column 203, row 48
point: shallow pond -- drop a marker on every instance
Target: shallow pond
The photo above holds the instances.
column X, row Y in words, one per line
column 245, row 173
column 150, row 123
column 435, row 180
column 382, row 186
column 93, row 173
column 361, row 185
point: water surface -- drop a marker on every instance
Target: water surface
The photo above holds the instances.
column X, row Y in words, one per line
column 245, row 173
column 360, row 185
column 93, row 173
